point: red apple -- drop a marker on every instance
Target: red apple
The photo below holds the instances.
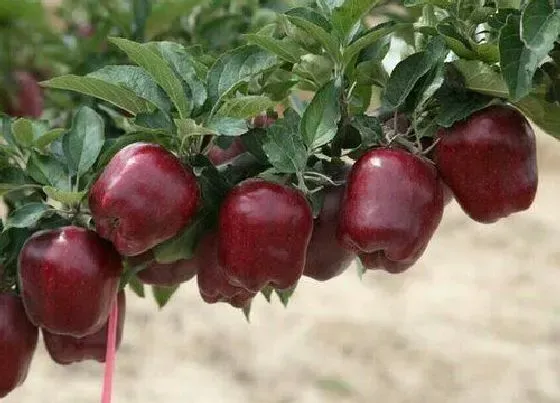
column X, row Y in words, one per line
column 18, row 339
column 392, row 205
column 325, row 257
column 219, row 156
column 164, row 274
column 66, row 350
column 143, row 197
column 69, row 277
column 212, row 282
column 489, row 162
column 28, row 101
column 264, row 231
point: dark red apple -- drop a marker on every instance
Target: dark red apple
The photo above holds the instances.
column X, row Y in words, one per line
column 18, row 339
column 67, row 349
column 69, row 277
column 164, row 274
column 219, row 156
column 263, row 121
column 325, row 257
column 489, row 162
column 212, row 282
column 28, row 100
column 264, row 231
column 143, row 197
column 392, row 205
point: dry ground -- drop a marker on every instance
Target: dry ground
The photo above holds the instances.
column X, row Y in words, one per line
column 477, row 320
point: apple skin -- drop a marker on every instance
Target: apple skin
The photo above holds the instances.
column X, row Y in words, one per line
column 28, row 101
column 489, row 162
column 392, row 205
column 164, row 274
column 143, row 197
column 219, row 156
column 264, row 231
column 69, row 277
column 18, row 340
column 67, row 350
column 212, row 282
column 325, row 257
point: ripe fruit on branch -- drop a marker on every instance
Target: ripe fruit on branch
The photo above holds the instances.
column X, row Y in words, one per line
column 263, row 121
column 264, row 231
column 67, row 349
column 212, row 282
column 219, row 156
column 325, row 257
column 69, row 277
column 164, row 274
column 392, row 205
column 143, row 197
column 28, row 100
column 18, row 339
column 489, row 162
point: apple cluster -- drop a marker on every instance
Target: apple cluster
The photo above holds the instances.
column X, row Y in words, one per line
column 265, row 235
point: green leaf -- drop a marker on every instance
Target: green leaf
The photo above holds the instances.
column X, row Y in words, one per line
column 120, row 97
column 459, row 105
column 82, row 144
column 518, row 62
column 182, row 246
column 137, row 80
column 319, row 123
column 158, row 69
column 228, row 126
column 162, row 294
column 328, row 41
column 48, row 171
column 544, row 114
column 348, row 16
column 409, row 71
column 166, row 12
column 245, row 107
column 480, row 77
column 185, row 65
column 369, row 38
column 370, row 130
column 48, row 137
column 311, row 15
column 213, row 185
column 6, row 188
column 136, row 286
column 189, row 127
column 540, row 26
column 12, row 178
column 456, row 41
column 27, row 215
column 235, row 67
column 22, row 130
column 284, row 146
column 70, row 198
column 286, row 49
column 318, row 69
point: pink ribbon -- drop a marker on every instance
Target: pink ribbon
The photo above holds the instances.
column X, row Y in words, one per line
column 111, row 354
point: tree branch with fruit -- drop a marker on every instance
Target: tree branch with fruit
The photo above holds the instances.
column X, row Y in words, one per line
column 301, row 140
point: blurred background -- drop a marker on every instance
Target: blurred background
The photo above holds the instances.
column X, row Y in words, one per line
column 477, row 319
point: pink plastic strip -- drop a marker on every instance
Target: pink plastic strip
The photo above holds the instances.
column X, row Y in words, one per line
column 111, row 354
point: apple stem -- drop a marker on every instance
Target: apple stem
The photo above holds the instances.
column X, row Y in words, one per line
column 110, row 354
